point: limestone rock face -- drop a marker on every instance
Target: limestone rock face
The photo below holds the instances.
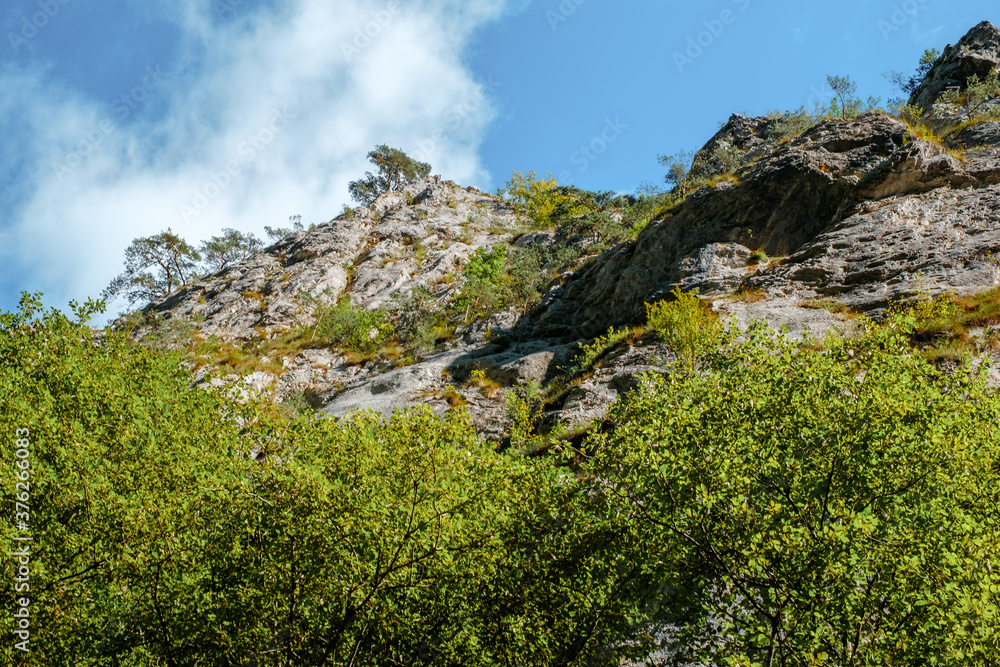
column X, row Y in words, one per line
column 749, row 135
column 945, row 240
column 859, row 212
column 979, row 135
column 405, row 239
column 918, row 167
column 715, row 267
column 978, row 53
column 783, row 200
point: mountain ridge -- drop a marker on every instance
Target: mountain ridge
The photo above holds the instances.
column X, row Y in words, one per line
column 861, row 212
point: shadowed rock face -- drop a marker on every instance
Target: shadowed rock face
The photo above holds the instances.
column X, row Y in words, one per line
column 978, row 53
column 862, row 210
column 783, row 200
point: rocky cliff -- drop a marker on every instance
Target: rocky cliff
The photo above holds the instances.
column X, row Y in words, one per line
column 413, row 238
column 859, row 212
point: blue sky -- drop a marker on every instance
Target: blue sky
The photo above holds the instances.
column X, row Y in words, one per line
column 124, row 119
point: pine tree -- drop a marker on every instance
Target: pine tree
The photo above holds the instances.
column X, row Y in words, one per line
column 396, row 170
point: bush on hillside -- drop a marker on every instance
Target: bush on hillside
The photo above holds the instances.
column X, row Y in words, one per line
column 831, row 507
column 686, row 325
column 352, row 327
column 159, row 540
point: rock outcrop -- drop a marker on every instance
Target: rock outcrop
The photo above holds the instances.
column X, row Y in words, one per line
column 418, row 237
column 976, row 54
column 854, row 213
column 782, row 201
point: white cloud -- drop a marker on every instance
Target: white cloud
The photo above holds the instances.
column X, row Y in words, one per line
column 296, row 97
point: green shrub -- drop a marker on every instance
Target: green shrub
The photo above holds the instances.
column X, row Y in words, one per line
column 830, row 507
column 486, row 264
column 524, row 410
column 686, row 325
column 790, row 124
column 159, row 540
column 974, row 98
column 590, row 354
column 418, row 319
column 352, row 327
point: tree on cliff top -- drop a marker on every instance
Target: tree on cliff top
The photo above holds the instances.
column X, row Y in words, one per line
column 396, row 170
column 154, row 266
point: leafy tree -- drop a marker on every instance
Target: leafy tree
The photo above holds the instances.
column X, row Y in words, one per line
column 909, row 84
column 806, row 507
column 154, row 267
column 159, row 540
column 687, row 171
column 686, row 325
column 844, row 89
column 541, row 199
column 278, row 233
column 233, row 246
column 976, row 95
column 845, row 104
column 678, row 175
column 395, row 170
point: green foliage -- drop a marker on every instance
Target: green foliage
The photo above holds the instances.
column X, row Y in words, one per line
column 788, row 504
column 279, row 233
column 687, row 171
column 845, row 105
column 951, row 327
column 815, row 507
column 910, row 114
column 678, row 176
column 686, row 325
column 159, row 540
column 758, row 257
column 591, row 353
column 486, row 264
column 394, row 171
column 584, row 222
column 536, row 198
column 974, row 98
column 908, row 85
column 649, row 202
column 790, row 124
column 419, row 319
column 724, row 158
column 233, row 246
column 844, row 88
column 524, row 410
column 351, row 327
column 154, row 267
column 483, row 292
